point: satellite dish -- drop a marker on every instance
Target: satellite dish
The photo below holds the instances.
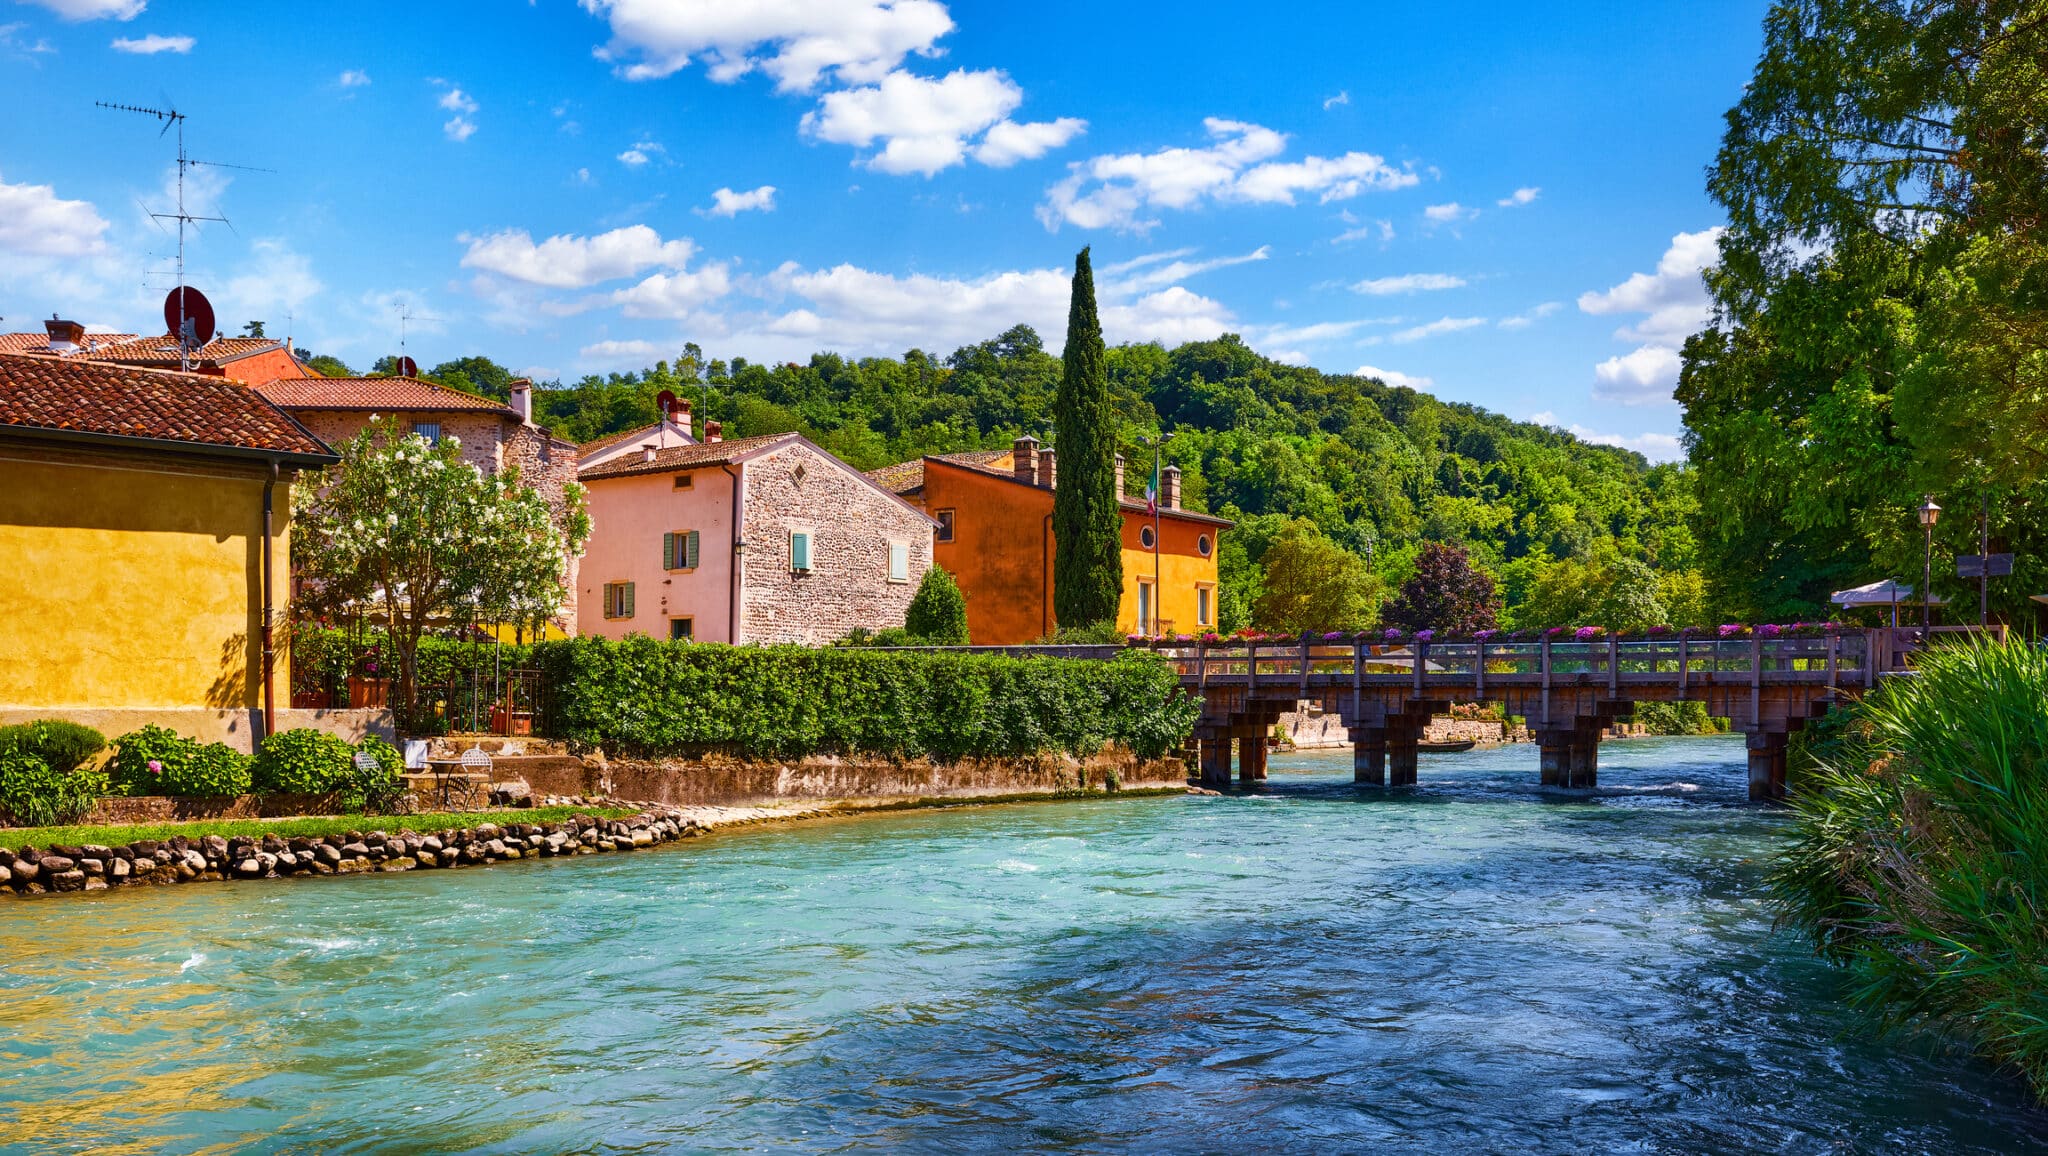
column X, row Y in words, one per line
column 407, row 367
column 188, row 316
column 665, row 401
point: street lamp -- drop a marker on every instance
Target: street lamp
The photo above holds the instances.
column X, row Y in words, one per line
column 1929, row 514
column 1152, row 497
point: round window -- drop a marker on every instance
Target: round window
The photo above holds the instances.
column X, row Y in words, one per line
column 1202, row 545
column 1146, row 538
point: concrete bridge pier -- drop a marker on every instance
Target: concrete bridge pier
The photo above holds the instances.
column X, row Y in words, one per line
column 1584, row 773
column 1251, row 756
column 1369, row 756
column 1569, row 756
column 1554, row 756
column 1401, row 753
column 1215, row 775
column 1766, row 764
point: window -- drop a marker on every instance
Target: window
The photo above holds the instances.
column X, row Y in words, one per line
column 618, row 600
column 800, row 551
column 430, row 430
column 1205, row 608
column 1147, row 538
column 1202, row 546
column 682, row 629
column 685, row 481
column 679, row 550
column 945, row 531
column 899, row 561
column 1145, row 614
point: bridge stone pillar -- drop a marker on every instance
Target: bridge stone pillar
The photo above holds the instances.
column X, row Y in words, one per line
column 1216, row 759
column 1766, row 765
column 1369, row 756
column 1584, row 769
column 1554, row 755
column 1401, row 753
column 1251, row 755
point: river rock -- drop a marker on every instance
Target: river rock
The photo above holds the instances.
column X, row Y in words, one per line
column 426, row 858
column 119, row 868
column 249, row 867
column 93, row 868
column 6, row 876
column 398, row 863
column 355, row 850
column 95, row 885
column 55, row 864
column 328, row 853
column 70, row 880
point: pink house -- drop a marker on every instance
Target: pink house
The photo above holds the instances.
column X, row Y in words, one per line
column 766, row 539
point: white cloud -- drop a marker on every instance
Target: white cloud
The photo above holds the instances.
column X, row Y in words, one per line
column 1654, row 446
column 675, row 295
column 1408, row 283
column 1394, row 377
column 456, row 100
column 1383, row 229
column 1170, row 317
column 1162, row 269
column 34, row 221
column 924, row 124
column 276, row 282
column 11, row 41
column 1238, row 166
column 1449, row 213
column 572, row 262
column 798, row 42
column 1675, row 305
column 458, row 127
column 1525, row 320
column 641, row 153
column 1341, row 98
column 621, row 353
column 1521, row 196
column 1269, row 336
column 353, row 78
column 1437, row 328
column 152, row 44
column 94, row 9
column 726, row 203
column 1008, row 142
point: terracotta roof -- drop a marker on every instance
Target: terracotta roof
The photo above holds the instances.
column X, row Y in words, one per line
column 40, row 342
column 92, row 400
column 377, row 394
column 608, row 441
column 163, row 350
column 904, row 477
column 688, row 457
column 1127, row 503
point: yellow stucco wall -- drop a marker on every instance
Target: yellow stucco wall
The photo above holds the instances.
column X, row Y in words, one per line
column 1180, row 567
column 132, row 583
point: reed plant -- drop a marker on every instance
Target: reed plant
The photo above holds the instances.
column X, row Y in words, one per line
column 1921, row 856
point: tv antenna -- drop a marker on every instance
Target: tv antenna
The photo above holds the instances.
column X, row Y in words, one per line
column 405, row 314
column 173, row 119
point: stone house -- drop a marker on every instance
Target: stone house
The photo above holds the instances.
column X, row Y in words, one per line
column 493, row 436
column 250, row 360
column 754, row 540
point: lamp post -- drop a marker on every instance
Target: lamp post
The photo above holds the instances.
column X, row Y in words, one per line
column 1929, row 514
column 1152, row 498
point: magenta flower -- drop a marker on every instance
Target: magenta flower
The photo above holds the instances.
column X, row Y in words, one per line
column 1484, row 635
column 1587, row 633
column 1731, row 629
column 156, row 767
column 1424, row 635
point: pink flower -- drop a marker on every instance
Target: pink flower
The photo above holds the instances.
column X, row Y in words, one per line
column 1587, row 633
column 156, row 767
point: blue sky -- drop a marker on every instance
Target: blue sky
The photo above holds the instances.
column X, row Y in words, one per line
column 1500, row 204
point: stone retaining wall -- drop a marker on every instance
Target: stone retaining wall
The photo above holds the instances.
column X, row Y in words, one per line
column 1321, row 729
column 214, row 858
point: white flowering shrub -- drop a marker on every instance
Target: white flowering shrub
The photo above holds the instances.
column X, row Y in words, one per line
column 408, row 528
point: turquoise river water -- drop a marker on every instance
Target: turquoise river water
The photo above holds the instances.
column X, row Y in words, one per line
column 1472, row 965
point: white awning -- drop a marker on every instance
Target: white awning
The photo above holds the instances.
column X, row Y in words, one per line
column 1883, row 593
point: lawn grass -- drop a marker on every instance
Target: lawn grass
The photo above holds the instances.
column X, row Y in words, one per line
column 314, row 826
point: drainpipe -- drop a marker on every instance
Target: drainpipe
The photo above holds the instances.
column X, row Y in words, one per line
column 269, row 651
column 739, row 546
column 1045, row 578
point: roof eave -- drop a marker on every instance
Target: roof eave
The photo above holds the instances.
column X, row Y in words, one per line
column 296, row 458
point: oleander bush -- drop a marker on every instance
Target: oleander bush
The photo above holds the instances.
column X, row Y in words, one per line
column 158, row 761
column 303, row 762
column 648, row 697
column 1920, row 861
column 45, row 776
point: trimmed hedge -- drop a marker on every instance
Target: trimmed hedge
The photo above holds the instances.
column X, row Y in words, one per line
column 650, row 698
column 44, row 778
column 158, row 761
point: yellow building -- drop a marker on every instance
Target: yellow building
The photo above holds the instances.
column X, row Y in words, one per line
column 145, row 519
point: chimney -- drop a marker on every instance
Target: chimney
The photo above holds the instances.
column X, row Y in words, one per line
column 65, row 336
column 1024, row 458
column 522, row 400
column 711, row 432
column 679, row 413
column 1169, row 487
column 1120, row 478
column 1047, row 469
column 647, row 452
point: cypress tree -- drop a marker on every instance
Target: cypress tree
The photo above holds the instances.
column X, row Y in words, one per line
column 1088, row 566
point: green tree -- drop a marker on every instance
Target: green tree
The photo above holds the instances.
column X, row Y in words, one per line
column 938, row 611
column 253, row 329
column 1445, row 594
column 1311, row 583
column 1088, row 570
column 422, row 535
column 323, row 364
column 478, row 375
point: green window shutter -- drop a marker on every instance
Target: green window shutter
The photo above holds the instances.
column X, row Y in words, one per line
column 626, row 600
column 690, row 550
column 799, row 550
column 668, row 551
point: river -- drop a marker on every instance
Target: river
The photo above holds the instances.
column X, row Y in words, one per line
column 1468, row 966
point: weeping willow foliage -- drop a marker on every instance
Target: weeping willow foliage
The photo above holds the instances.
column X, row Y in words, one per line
column 1921, row 861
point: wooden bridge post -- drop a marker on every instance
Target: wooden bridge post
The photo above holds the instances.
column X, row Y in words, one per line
column 1766, row 764
column 1554, row 756
column 1584, row 771
column 1216, row 758
column 1401, row 752
column 1369, row 756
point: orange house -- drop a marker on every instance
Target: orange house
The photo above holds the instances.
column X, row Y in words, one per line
column 994, row 509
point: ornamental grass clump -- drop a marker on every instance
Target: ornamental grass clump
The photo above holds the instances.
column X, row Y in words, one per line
column 44, row 773
column 1921, row 860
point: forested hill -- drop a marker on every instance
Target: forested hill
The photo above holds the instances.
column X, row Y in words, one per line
column 1573, row 532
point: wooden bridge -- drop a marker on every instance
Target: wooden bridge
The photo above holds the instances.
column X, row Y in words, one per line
column 1571, row 692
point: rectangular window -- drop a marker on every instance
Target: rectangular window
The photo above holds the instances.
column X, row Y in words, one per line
column 618, row 600
column 679, row 550
column 800, row 551
column 1145, row 623
column 899, row 561
column 685, row 481
column 1205, row 609
column 682, row 629
column 430, row 430
column 945, row 530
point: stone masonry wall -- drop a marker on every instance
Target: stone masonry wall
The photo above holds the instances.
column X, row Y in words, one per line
column 852, row 524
